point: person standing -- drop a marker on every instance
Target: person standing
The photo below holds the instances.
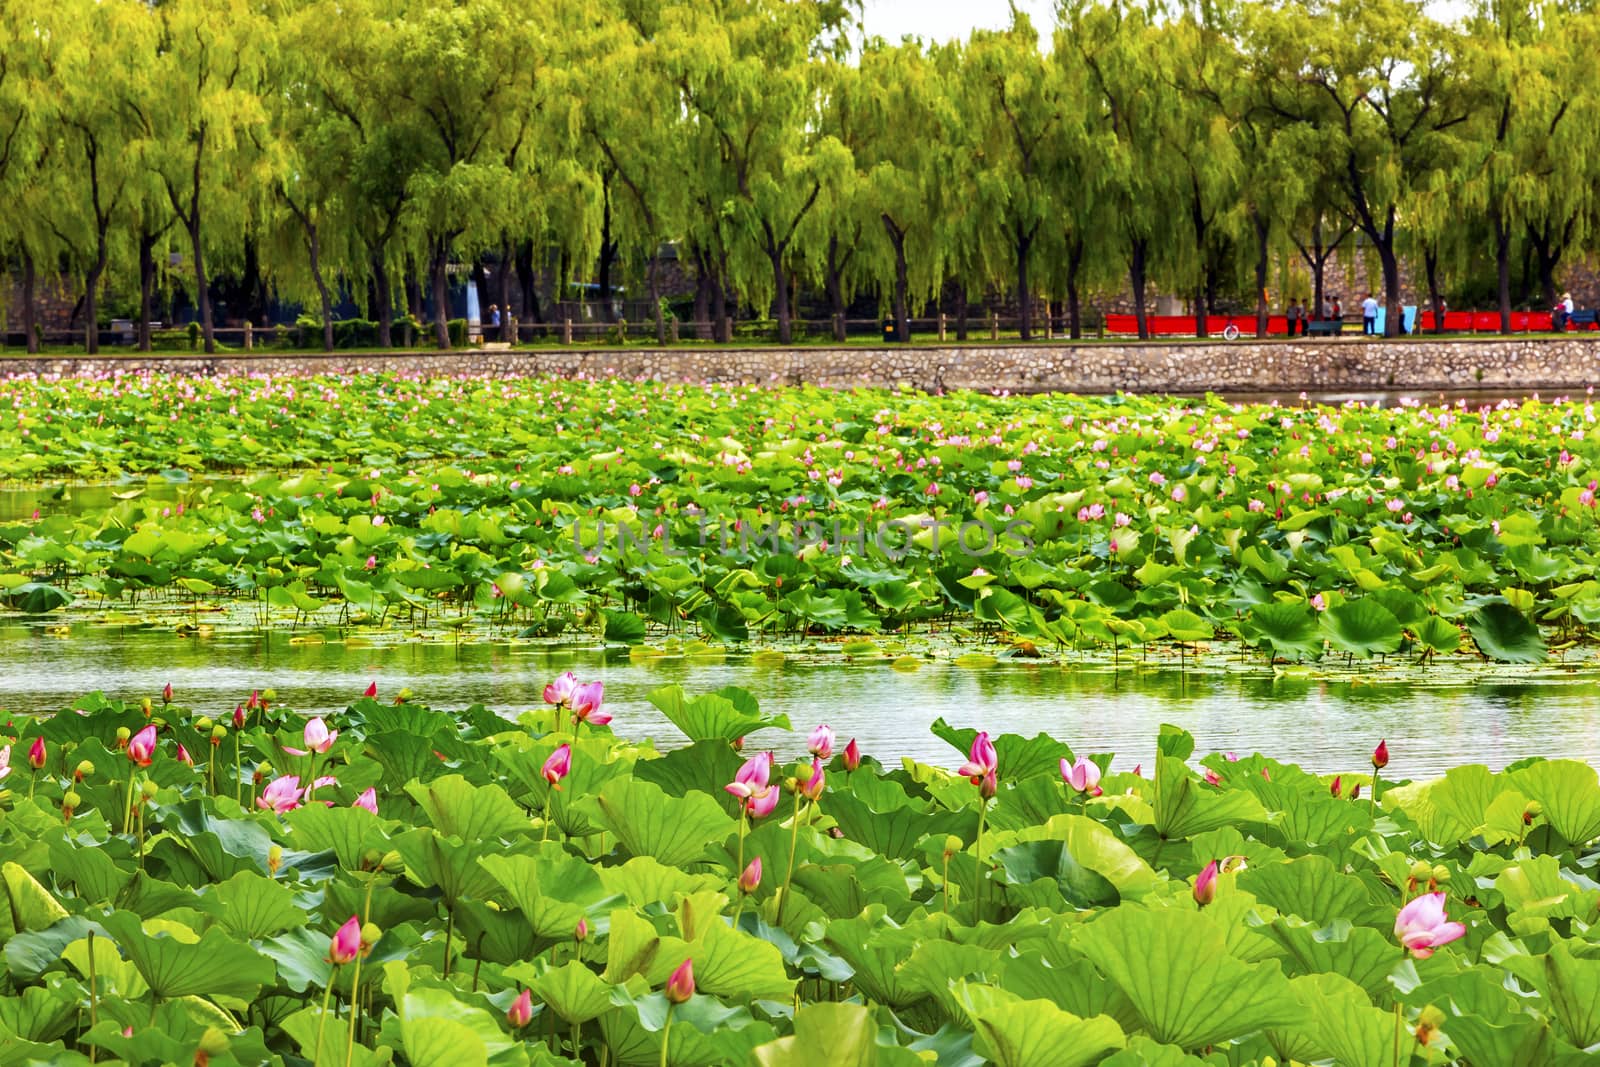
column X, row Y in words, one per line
column 494, row 320
column 1338, row 311
column 1369, row 316
column 1563, row 313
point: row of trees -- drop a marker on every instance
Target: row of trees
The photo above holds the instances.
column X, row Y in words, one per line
column 1210, row 148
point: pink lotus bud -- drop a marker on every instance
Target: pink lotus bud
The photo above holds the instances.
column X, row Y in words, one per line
column 852, row 755
column 184, row 757
column 346, row 944
column 371, row 690
column 1334, row 789
column 1421, row 925
column 580, row 933
column 558, row 765
column 36, row 754
column 820, row 743
column 981, row 760
column 1083, row 776
column 813, row 786
column 166, row 693
column 1212, row 777
column 521, row 1011
column 368, row 800
column 1205, row 886
column 1380, row 755
column 318, row 737
column 238, row 717
column 750, row 877
column 143, row 746
column 680, row 987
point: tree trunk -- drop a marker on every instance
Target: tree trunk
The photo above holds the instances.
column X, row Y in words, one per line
column 1024, row 245
column 1263, row 312
column 961, row 311
column 147, row 284
column 322, row 287
column 1136, row 279
column 1200, row 312
column 833, row 286
column 202, row 289
column 30, row 322
column 704, row 327
column 441, row 328
column 719, row 306
column 528, row 282
column 1074, row 313
column 1197, row 219
column 413, row 289
column 608, row 252
column 1548, row 252
column 780, row 297
column 1430, row 264
column 503, row 291
column 653, row 285
column 1393, row 321
column 902, row 287
column 91, row 301
column 382, row 300
column 1502, row 263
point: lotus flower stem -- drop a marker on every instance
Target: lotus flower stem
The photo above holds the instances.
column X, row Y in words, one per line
column 947, row 881
column 449, row 932
column 94, row 997
column 977, row 878
column 794, row 840
column 744, row 824
column 322, row 1020
column 1397, row 1033
column 577, row 1040
column 666, row 1030
column 211, row 769
column 238, row 775
column 127, row 808
column 355, row 980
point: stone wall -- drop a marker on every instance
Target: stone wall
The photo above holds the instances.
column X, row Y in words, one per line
column 1348, row 363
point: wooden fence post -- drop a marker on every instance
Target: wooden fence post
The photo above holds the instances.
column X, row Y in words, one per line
column 941, row 326
column 727, row 328
column 672, row 331
column 249, row 335
column 994, row 325
column 566, row 331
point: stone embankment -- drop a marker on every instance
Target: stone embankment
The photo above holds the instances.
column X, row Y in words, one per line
column 1349, row 363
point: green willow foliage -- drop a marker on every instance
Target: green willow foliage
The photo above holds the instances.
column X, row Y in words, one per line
column 320, row 146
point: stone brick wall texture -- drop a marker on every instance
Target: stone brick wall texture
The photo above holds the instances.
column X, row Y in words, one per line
column 1351, row 363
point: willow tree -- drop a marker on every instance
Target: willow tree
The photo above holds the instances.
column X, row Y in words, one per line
column 1388, row 98
column 746, row 82
column 25, row 58
column 1010, row 118
column 203, row 109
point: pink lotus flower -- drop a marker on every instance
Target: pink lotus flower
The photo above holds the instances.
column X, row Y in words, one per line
column 586, row 700
column 680, row 986
column 558, row 765
column 981, row 759
column 1083, row 776
column 820, row 743
column 752, row 785
column 346, row 944
column 1212, row 778
column 36, row 754
column 1319, row 602
column 318, row 737
column 281, row 795
column 1421, row 925
column 5, row 762
column 184, row 757
column 559, row 692
column 143, row 746
column 521, row 1011
column 1205, row 886
column 371, row 690
column 852, row 755
column 812, row 787
column 750, row 877
column 368, row 800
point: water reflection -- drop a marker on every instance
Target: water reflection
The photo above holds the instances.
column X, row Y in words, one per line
column 1324, row 725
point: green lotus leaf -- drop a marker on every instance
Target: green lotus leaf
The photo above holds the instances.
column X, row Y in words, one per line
column 1183, row 807
column 648, row 822
column 212, row 965
column 1363, row 955
column 1012, row 1032
column 1019, row 758
column 348, row 833
column 726, row 715
column 1505, row 634
column 1571, row 986
column 1174, row 967
column 1362, row 627
column 572, row 990
column 553, row 890
column 705, row 1033
column 849, row 1033
column 1569, row 794
column 254, row 906
column 1339, row 1020
column 1284, row 628
column 32, row 906
column 457, row 808
column 442, row 863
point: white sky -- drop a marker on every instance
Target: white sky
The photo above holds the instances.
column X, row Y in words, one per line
column 941, row 20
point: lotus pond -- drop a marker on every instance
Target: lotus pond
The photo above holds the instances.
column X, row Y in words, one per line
column 394, row 884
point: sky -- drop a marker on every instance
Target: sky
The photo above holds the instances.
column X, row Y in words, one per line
column 941, row 20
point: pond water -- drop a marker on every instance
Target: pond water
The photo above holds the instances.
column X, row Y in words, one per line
column 1432, row 720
